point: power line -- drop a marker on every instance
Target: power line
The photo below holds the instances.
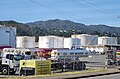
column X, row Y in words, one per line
column 56, row 10
column 106, row 11
column 76, row 3
column 94, row 5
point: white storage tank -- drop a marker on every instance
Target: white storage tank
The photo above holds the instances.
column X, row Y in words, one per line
column 87, row 39
column 25, row 42
column 71, row 43
column 46, row 42
column 58, row 42
column 36, row 45
column 107, row 40
column 7, row 36
column 51, row 42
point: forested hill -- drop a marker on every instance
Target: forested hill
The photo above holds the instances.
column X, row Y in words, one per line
column 60, row 28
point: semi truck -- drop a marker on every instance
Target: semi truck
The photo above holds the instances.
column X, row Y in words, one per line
column 68, row 59
column 63, row 58
column 10, row 59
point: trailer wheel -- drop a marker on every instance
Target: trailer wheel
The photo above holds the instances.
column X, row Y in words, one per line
column 118, row 68
column 84, row 66
column 81, row 66
column 5, row 70
column 13, row 72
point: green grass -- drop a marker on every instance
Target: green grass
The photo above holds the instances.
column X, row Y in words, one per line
column 58, row 74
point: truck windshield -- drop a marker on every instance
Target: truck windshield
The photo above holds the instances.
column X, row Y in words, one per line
column 18, row 57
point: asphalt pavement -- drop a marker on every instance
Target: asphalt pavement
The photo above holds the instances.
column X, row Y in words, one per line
column 76, row 76
column 73, row 75
column 113, row 76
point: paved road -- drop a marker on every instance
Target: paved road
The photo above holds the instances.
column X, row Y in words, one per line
column 113, row 76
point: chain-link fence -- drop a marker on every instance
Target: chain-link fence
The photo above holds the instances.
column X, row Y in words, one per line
column 70, row 63
column 94, row 61
column 67, row 63
column 75, row 63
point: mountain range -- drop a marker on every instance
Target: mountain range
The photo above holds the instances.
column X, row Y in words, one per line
column 60, row 28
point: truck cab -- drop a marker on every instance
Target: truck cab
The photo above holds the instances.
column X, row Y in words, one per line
column 10, row 60
column 10, row 63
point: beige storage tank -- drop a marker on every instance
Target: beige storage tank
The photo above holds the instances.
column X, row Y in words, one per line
column 71, row 42
column 107, row 40
column 87, row 39
column 25, row 42
column 51, row 42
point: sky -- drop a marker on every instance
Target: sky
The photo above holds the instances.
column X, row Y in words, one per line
column 89, row 12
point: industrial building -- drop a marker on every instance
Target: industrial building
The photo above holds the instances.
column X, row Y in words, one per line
column 92, row 43
column 7, row 36
column 96, row 44
column 104, row 43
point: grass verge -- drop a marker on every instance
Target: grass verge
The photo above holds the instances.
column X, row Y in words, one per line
column 57, row 74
